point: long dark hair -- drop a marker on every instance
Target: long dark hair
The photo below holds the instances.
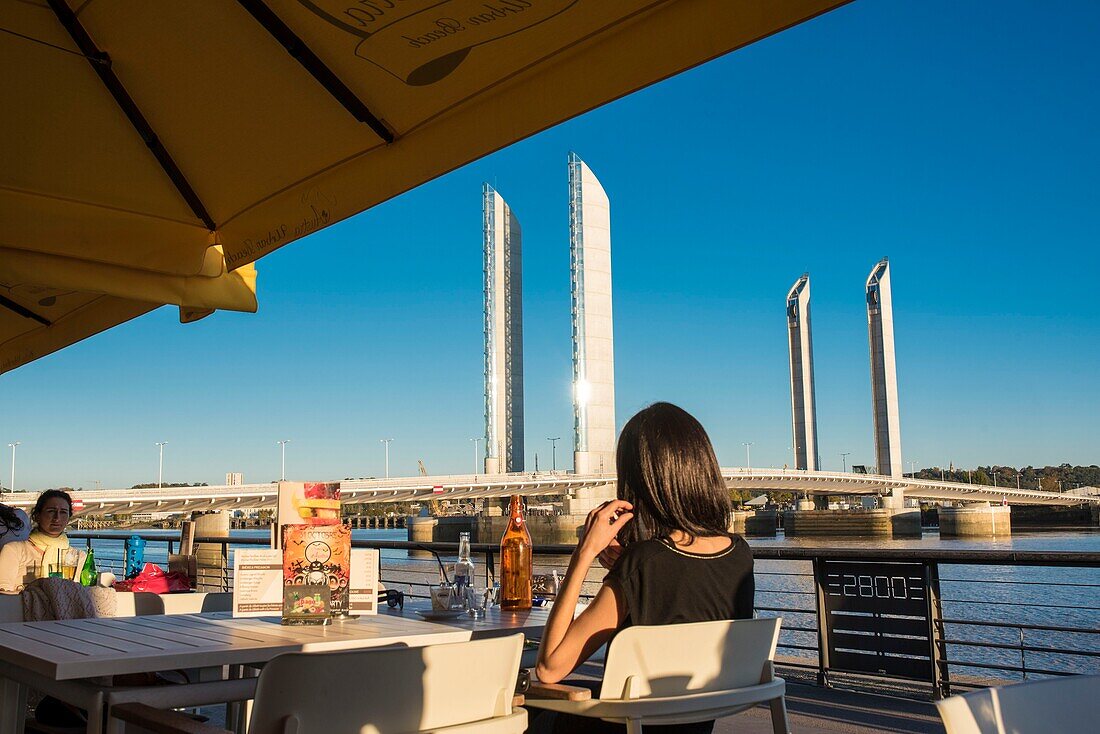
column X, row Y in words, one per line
column 667, row 469
column 10, row 519
column 48, row 495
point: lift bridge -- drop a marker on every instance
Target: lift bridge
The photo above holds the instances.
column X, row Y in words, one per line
column 465, row 487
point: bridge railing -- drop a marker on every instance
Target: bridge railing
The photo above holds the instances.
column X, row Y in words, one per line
column 997, row 615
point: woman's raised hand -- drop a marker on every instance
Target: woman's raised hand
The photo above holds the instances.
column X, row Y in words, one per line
column 609, row 556
column 603, row 524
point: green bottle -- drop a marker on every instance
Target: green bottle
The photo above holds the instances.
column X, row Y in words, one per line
column 88, row 573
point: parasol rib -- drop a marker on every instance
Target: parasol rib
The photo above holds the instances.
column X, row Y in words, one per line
column 23, row 311
column 302, row 53
column 101, row 64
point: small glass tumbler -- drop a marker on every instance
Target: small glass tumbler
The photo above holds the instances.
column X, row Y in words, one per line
column 475, row 601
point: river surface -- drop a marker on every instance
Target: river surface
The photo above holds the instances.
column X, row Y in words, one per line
column 1051, row 597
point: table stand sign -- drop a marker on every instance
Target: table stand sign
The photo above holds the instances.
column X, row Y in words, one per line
column 309, row 503
column 257, row 582
column 363, row 597
column 187, row 537
column 316, row 556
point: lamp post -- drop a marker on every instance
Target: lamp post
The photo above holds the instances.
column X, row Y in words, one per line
column 13, row 446
column 282, row 456
column 844, row 460
column 160, row 463
column 1017, row 479
column 554, row 452
column 748, row 453
column 476, row 441
column 386, row 441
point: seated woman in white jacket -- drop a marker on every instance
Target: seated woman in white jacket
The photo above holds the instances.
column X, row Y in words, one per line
column 24, row 560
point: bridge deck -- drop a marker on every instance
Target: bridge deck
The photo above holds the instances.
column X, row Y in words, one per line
column 478, row 486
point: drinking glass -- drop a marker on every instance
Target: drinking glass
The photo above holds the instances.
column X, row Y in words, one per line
column 69, row 558
column 475, row 600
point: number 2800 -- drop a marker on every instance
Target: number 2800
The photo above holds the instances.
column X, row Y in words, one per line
column 876, row 587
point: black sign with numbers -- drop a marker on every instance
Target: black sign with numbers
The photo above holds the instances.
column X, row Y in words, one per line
column 876, row 618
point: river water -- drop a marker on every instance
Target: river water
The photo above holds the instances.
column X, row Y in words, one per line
column 1053, row 597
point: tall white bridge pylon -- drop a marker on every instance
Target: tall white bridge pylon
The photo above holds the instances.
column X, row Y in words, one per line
column 479, row 486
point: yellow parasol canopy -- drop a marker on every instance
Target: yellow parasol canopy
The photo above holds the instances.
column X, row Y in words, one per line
column 152, row 151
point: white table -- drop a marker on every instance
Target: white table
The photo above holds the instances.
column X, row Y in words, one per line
column 63, row 658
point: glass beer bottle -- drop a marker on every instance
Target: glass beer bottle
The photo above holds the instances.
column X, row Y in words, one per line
column 515, row 560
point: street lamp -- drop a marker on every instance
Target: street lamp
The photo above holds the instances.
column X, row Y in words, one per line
column 13, row 445
column 476, row 441
column 160, row 463
column 554, row 452
column 282, row 453
column 1017, row 479
column 748, row 453
column 844, row 460
column 387, row 442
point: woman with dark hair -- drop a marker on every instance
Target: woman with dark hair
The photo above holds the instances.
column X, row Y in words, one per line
column 30, row 558
column 667, row 544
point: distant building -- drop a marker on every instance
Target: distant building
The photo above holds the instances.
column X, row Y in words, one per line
column 884, row 379
column 593, row 334
column 234, row 479
column 803, row 402
column 503, row 250
column 151, row 516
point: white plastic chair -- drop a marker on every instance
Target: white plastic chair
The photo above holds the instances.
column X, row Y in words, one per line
column 679, row 674
column 11, row 608
column 461, row 688
column 1054, row 705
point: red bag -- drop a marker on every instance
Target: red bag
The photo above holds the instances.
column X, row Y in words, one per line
column 153, row 579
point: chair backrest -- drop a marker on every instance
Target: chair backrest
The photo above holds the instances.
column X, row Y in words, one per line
column 406, row 689
column 11, row 608
column 1057, row 704
column 674, row 659
column 192, row 603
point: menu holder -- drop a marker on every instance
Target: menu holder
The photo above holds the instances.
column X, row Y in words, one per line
column 257, row 582
column 186, row 564
column 319, row 555
column 363, row 596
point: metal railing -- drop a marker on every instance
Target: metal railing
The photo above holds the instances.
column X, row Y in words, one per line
column 998, row 614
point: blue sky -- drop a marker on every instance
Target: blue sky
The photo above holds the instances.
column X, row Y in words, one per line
column 958, row 138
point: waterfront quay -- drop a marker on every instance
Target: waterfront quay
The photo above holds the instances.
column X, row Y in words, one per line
column 974, row 612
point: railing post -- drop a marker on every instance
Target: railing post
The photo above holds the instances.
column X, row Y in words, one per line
column 822, row 628
column 225, row 565
column 1023, row 658
column 941, row 680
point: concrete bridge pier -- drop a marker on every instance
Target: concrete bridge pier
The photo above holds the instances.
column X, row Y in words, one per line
column 892, row 520
column 980, row 519
column 757, row 523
